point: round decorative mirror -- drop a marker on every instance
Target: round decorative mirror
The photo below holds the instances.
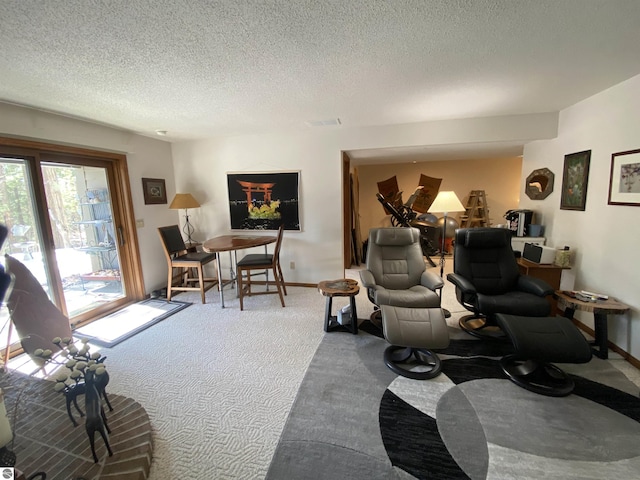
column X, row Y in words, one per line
column 539, row 184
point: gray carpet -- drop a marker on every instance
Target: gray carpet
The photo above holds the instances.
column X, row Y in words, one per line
column 355, row 419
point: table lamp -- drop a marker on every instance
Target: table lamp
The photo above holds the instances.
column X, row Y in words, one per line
column 186, row 201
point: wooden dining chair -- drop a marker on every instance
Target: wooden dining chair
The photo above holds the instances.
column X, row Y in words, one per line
column 258, row 264
column 185, row 262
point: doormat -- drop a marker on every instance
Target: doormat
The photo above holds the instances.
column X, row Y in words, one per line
column 123, row 324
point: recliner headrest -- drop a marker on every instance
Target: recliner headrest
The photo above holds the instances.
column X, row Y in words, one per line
column 485, row 237
column 396, row 236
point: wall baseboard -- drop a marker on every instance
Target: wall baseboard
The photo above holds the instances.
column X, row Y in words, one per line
column 286, row 284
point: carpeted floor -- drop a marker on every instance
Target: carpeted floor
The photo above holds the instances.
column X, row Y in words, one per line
column 217, row 383
column 220, row 384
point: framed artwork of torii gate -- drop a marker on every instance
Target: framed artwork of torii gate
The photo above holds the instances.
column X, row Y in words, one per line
column 264, row 201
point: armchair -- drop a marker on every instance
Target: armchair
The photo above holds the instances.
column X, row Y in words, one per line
column 488, row 282
column 404, row 293
column 396, row 272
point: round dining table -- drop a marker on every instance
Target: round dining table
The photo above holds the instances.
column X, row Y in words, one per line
column 233, row 243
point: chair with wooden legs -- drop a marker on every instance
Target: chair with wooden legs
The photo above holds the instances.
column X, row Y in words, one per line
column 260, row 264
column 178, row 257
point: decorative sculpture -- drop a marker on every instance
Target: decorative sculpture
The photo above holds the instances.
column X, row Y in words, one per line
column 96, row 420
column 87, row 376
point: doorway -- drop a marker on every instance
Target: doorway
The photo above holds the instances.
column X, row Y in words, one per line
column 68, row 212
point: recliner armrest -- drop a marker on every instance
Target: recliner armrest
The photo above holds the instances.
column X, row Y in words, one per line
column 431, row 280
column 529, row 284
column 367, row 279
column 462, row 283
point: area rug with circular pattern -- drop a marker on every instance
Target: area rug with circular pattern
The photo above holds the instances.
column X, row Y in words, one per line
column 355, row 419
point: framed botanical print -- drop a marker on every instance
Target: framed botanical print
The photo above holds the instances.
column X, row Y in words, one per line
column 575, row 178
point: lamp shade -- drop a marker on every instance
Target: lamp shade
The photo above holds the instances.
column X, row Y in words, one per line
column 446, row 202
column 183, row 200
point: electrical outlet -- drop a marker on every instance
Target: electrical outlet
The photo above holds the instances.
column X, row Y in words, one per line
column 139, row 223
column 292, row 265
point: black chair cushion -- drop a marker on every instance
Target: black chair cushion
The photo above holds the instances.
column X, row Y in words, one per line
column 256, row 259
column 486, row 238
column 197, row 257
column 514, row 303
column 484, row 257
column 172, row 239
column 545, row 339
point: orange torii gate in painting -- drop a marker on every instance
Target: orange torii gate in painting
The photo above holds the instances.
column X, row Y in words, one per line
column 262, row 188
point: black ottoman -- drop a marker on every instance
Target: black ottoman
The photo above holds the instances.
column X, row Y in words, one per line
column 538, row 341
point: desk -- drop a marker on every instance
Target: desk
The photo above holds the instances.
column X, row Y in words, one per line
column 600, row 310
column 233, row 243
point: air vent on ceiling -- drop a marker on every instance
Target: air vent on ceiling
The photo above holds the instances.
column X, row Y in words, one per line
column 332, row 122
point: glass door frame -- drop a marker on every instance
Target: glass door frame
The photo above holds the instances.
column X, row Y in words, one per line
column 35, row 153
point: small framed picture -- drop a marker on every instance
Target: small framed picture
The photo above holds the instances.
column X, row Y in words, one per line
column 624, row 182
column 574, row 181
column 155, row 192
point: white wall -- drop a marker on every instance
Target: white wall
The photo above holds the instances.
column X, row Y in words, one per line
column 146, row 157
column 605, row 237
column 201, row 169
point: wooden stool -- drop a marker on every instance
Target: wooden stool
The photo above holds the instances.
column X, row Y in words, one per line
column 343, row 287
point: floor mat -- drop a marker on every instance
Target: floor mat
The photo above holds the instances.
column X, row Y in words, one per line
column 123, row 324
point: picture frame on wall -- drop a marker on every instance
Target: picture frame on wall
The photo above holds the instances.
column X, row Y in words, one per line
column 264, row 200
column 154, row 190
column 575, row 177
column 624, row 180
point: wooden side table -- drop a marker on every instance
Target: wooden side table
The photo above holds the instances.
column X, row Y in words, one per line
column 343, row 287
column 600, row 309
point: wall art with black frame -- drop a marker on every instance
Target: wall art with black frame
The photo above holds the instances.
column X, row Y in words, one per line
column 575, row 177
column 264, row 200
column 624, row 181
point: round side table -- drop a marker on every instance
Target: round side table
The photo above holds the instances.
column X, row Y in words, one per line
column 343, row 287
column 600, row 309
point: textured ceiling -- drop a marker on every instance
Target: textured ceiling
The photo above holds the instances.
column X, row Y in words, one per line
column 198, row 69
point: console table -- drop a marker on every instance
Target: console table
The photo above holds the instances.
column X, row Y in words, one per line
column 600, row 309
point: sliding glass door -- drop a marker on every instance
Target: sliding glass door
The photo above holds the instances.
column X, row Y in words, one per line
column 84, row 235
column 68, row 224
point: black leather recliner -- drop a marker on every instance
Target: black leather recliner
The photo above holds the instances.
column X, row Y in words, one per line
column 487, row 281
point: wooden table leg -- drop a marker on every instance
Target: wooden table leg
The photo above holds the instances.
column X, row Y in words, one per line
column 601, row 334
column 327, row 314
column 354, row 315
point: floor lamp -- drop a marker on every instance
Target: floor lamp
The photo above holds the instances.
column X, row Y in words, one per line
column 445, row 202
column 186, row 201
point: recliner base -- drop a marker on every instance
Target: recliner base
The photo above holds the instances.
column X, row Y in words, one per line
column 538, row 377
column 479, row 327
column 395, row 355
